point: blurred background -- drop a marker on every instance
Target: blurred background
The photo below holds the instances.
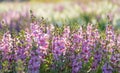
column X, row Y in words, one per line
column 72, row 12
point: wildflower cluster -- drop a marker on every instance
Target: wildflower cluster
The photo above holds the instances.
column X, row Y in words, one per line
column 43, row 47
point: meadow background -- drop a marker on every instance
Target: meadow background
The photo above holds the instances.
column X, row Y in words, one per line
column 59, row 36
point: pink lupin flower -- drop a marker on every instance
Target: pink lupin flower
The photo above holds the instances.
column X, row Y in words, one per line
column 59, row 47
